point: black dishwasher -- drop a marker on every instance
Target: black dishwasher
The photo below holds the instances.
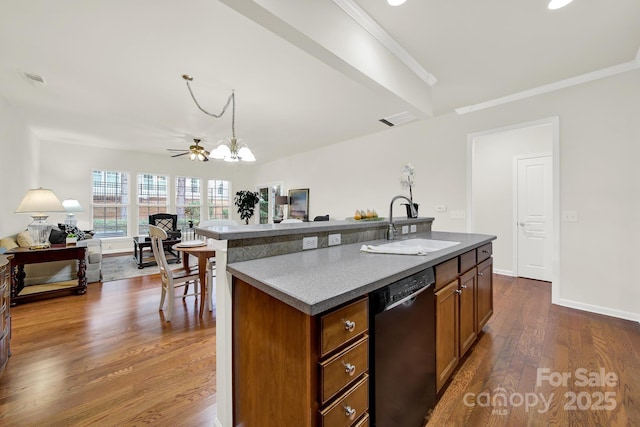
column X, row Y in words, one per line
column 402, row 352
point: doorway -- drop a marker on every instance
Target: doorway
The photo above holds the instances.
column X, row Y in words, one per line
column 492, row 193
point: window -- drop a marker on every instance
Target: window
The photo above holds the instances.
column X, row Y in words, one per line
column 218, row 199
column 153, row 198
column 110, row 203
column 187, row 200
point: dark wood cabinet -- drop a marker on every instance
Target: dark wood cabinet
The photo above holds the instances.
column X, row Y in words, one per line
column 484, row 295
column 468, row 318
column 291, row 369
column 447, row 332
column 464, row 305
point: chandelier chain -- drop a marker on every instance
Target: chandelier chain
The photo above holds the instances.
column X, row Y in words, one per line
column 224, row 109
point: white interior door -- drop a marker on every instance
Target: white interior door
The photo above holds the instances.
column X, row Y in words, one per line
column 534, row 217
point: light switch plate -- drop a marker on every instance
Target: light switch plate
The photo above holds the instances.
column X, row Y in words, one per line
column 334, row 239
column 413, row 228
column 570, row 216
column 405, row 229
column 441, row 208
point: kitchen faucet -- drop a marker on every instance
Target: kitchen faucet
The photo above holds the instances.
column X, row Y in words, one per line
column 391, row 233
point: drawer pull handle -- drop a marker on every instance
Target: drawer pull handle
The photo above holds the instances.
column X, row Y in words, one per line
column 349, row 368
column 349, row 412
column 480, row 274
column 463, row 286
column 349, row 325
column 484, row 251
column 458, row 291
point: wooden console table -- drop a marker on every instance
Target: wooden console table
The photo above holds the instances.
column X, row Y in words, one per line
column 23, row 256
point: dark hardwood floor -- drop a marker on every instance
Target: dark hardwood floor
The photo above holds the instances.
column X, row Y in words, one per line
column 525, row 349
column 108, row 359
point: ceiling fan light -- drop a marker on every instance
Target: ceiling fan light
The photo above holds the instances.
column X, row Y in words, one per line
column 557, row 4
column 395, row 2
column 192, row 156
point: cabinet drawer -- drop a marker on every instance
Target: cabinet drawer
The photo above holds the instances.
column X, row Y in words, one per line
column 364, row 422
column 345, row 411
column 446, row 272
column 467, row 261
column 343, row 325
column 343, row 368
column 484, row 252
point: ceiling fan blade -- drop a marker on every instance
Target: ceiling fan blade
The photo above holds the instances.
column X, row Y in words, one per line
column 178, row 149
column 181, row 154
column 206, row 159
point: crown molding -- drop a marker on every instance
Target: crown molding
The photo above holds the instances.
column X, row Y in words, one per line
column 371, row 26
column 562, row 84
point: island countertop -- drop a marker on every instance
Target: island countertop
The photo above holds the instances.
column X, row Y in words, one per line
column 317, row 280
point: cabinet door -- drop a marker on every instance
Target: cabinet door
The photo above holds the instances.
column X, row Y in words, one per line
column 484, row 294
column 468, row 319
column 447, row 338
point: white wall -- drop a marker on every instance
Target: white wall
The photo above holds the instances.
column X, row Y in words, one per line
column 599, row 146
column 18, row 168
column 493, row 184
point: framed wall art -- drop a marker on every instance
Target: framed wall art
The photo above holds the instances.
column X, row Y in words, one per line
column 299, row 204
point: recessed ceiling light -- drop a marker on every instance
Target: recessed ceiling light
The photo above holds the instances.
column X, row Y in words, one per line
column 396, row 2
column 557, row 4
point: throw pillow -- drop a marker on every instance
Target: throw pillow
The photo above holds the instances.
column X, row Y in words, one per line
column 8, row 243
column 24, row 239
column 72, row 229
column 57, row 237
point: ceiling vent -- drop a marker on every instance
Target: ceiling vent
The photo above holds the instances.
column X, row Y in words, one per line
column 398, row 119
column 34, row 78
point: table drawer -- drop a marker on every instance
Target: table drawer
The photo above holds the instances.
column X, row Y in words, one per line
column 347, row 410
column 343, row 325
column 484, row 252
column 467, row 261
column 446, row 272
column 343, row 368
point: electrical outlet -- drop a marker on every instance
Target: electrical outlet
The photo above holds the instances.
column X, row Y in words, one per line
column 458, row 214
column 334, row 239
column 413, row 228
column 309, row 242
column 405, row 229
column 570, row 216
column 441, row 208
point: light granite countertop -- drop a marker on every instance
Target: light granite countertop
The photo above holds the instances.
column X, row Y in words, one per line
column 317, row 280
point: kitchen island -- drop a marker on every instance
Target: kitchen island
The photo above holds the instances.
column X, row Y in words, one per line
column 279, row 307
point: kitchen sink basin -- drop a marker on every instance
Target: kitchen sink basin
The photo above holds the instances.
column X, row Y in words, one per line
column 427, row 245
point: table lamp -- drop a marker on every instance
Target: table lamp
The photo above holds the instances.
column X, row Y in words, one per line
column 71, row 206
column 36, row 202
column 283, row 202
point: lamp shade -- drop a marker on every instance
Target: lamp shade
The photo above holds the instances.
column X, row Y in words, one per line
column 72, row 205
column 38, row 201
column 282, row 200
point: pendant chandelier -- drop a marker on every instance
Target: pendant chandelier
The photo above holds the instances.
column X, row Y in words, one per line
column 229, row 149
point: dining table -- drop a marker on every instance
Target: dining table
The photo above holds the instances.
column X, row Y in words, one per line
column 202, row 250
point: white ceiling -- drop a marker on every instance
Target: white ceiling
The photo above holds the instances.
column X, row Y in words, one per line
column 112, row 68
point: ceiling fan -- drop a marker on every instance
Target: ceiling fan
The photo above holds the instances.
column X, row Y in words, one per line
column 195, row 151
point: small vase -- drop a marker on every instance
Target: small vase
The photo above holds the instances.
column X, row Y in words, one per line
column 71, row 240
column 415, row 206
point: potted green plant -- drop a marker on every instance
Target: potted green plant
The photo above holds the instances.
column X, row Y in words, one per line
column 246, row 202
column 72, row 239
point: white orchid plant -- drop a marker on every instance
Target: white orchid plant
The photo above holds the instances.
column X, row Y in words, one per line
column 407, row 179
